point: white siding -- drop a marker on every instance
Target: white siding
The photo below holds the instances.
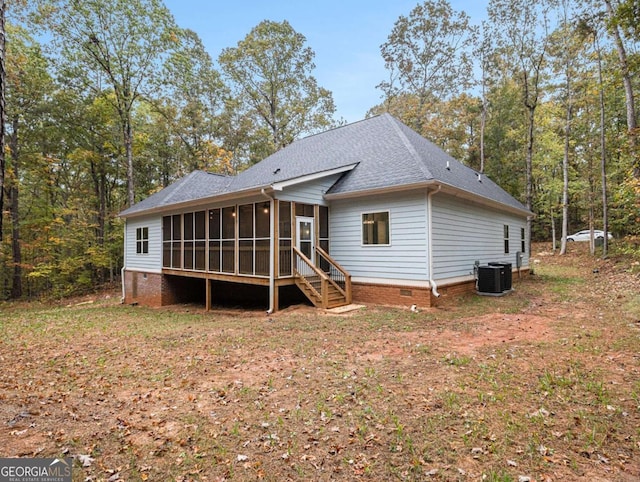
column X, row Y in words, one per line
column 464, row 232
column 404, row 259
column 151, row 262
column 311, row 192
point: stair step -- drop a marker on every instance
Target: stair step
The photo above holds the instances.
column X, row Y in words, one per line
column 334, row 296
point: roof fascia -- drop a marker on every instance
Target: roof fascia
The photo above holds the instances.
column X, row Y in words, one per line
column 381, row 190
column 433, row 184
column 277, row 186
column 200, row 201
column 469, row 196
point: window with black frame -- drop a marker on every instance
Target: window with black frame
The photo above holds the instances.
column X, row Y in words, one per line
column 506, row 239
column 375, row 229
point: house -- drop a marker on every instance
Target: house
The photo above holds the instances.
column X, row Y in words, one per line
column 367, row 212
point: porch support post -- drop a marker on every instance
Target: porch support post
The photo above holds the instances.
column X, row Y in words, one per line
column 276, row 297
column 272, row 263
column 275, row 253
column 273, row 298
column 316, row 232
column 207, row 285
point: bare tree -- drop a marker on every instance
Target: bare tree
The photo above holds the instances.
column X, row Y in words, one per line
column 520, row 29
column 632, row 126
column 3, row 76
column 118, row 43
column 565, row 53
column 428, row 55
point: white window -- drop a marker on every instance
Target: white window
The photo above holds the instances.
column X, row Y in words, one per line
column 375, row 228
column 142, row 240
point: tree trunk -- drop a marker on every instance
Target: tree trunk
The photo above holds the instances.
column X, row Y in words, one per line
column 566, row 57
column 14, row 204
column 128, row 147
column 16, row 287
column 603, row 155
column 565, row 183
column 628, row 90
column 99, row 190
column 565, row 170
column 529, row 172
column 3, row 86
column 553, row 230
column 483, row 118
column 592, row 245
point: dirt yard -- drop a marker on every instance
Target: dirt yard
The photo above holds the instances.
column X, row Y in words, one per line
column 539, row 385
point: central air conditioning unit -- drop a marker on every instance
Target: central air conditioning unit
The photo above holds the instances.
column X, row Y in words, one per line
column 506, row 275
column 490, row 279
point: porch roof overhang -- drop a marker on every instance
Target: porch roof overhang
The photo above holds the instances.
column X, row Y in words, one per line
column 431, row 185
column 255, row 191
column 260, row 190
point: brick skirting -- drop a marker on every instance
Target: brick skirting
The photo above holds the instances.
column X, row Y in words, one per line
column 395, row 295
column 143, row 288
column 155, row 289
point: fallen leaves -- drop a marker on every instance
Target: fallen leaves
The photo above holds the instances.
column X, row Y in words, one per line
column 165, row 394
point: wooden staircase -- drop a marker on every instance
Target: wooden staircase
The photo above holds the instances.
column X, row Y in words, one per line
column 326, row 283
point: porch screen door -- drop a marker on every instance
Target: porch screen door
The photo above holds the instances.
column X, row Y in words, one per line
column 304, row 236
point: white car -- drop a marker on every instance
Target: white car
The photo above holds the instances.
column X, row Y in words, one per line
column 585, row 235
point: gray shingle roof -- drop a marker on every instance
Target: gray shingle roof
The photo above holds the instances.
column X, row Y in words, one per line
column 388, row 154
column 196, row 185
column 405, row 157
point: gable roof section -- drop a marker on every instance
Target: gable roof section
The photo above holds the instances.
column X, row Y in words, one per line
column 405, row 158
column 194, row 186
column 379, row 154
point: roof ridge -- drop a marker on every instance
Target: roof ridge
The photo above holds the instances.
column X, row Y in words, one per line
column 229, row 177
column 408, row 144
column 342, row 126
column 180, row 185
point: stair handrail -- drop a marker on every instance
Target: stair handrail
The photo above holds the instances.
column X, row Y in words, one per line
column 346, row 291
column 317, row 271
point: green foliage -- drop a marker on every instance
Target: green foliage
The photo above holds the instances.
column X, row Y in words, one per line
column 626, row 207
column 270, row 70
column 87, row 127
column 427, row 52
column 628, row 16
column 114, row 45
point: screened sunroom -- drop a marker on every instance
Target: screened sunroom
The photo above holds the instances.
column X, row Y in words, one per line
column 234, row 243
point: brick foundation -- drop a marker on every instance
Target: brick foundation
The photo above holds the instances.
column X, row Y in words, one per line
column 455, row 289
column 154, row 289
column 143, row 288
column 392, row 295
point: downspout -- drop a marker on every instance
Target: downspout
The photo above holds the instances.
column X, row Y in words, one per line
column 432, row 283
column 124, row 263
column 272, row 241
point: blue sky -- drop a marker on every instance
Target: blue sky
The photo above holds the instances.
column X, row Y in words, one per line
column 345, row 36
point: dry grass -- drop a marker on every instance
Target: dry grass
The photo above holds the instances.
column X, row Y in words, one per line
column 543, row 383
